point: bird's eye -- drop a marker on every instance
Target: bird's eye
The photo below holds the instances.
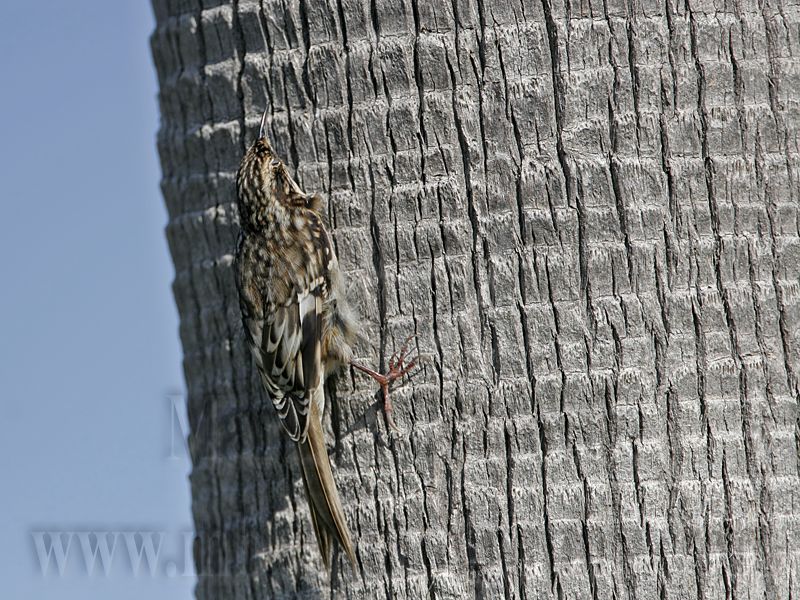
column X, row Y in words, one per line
column 274, row 163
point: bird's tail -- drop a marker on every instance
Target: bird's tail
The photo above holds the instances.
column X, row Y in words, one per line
column 323, row 499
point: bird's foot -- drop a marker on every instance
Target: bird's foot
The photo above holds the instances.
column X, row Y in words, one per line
column 399, row 365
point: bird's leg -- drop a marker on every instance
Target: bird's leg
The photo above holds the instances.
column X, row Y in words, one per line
column 397, row 368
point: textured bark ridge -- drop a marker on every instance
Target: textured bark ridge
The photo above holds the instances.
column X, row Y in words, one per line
column 587, row 212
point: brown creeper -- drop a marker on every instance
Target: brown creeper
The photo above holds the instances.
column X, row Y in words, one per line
column 297, row 320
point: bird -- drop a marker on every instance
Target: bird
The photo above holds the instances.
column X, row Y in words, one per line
column 298, row 322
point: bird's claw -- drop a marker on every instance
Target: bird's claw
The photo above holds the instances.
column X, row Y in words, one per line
column 398, row 367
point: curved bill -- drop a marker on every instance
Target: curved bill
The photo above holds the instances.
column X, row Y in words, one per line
column 263, row 124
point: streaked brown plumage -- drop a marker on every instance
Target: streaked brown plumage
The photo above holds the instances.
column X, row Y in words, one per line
column 296, row 319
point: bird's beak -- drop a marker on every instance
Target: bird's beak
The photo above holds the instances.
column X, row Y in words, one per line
column 263, row 124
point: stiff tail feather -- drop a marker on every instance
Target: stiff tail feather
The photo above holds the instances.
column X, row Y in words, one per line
column 323, row 499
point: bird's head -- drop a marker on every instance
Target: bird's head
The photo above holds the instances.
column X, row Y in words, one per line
column 256, row 180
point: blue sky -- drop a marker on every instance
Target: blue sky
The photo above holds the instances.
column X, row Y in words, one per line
column 89, row 349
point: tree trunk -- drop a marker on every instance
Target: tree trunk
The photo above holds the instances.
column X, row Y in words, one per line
column 588, row 215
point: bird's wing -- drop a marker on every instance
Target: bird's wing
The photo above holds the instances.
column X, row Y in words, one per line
column 287, row 339
column 290, row 353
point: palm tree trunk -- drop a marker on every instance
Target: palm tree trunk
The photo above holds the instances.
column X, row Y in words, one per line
column 587, row 213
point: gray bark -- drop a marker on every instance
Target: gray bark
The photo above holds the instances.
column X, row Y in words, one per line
column 588, row 214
